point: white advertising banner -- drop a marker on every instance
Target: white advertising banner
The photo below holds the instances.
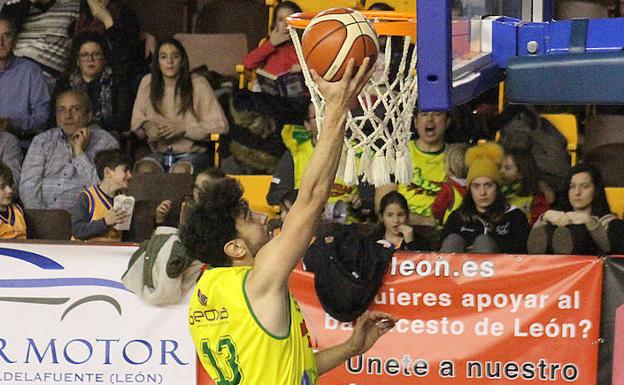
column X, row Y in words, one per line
column 65, row 318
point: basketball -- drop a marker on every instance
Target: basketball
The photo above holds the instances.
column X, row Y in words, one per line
column 333, row 37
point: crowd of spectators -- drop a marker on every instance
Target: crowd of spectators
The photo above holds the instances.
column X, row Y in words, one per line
column 81, row 109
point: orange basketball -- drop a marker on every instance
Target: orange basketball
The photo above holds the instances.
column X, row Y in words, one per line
column 333, row 37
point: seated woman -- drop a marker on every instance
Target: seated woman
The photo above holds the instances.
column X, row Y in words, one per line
column 91, row 71
column 175, row 111
column 485, row 223
column 117, row 22
column 520, row 176
column 277, row 54
column 580, row 225
column 394, row 224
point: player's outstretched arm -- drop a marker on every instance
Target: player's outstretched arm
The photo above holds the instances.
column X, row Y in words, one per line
column 275, row 261
column 367, row 330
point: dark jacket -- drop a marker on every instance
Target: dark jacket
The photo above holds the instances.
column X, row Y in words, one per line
column 510, row 233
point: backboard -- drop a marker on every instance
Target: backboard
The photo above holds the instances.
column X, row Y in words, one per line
column 455, row 46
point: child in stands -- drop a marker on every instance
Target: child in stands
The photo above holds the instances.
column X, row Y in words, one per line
column 93, row 216
column 453, row 190
column 394, row 223
column 166, row 213
column 12, row 222
column 277, row 54
column 520, row 177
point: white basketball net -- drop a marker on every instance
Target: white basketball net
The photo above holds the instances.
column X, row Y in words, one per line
column 381, row 142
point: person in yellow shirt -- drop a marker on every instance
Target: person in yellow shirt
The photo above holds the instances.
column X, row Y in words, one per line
column 427, row 154
column 300, row 142
column 12, row 222
column 93, row 216
column 246, row 326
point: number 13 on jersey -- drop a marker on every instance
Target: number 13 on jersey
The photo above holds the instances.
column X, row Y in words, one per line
column 223, row 361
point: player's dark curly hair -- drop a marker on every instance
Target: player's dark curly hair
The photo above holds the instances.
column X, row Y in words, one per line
column 211, row 221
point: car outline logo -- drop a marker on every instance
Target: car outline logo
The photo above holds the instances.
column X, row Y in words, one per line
column 46, row 263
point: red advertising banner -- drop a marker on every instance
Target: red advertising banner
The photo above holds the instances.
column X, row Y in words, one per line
column 470, row 319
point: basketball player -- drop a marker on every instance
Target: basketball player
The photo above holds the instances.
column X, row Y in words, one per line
column 247, row 328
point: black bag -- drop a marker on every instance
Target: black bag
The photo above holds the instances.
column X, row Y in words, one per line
column 348, row 271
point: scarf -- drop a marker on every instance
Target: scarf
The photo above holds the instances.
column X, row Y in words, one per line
column 103, row 106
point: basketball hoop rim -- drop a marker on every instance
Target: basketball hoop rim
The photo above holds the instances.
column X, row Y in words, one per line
column 386, row 23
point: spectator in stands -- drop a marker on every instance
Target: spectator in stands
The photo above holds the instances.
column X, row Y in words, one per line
column 90, row 71
column 580, row 222
column 119, row 25
column 148, row 166
column 519, row 173
column 453, row 190
column 24, row 94
column 12, row 222
column 394, row 224
column 522, row 128
column 300, row 142
column 45, row 31
column 176, row 110
column 59, row 162
column 93, row 216
column 11, row 154
column 427, row 154
column 277, row 54
column 168, row 212
column 485, row 223
column 205, row 176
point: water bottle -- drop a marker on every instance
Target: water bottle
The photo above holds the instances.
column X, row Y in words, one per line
column 168, row 159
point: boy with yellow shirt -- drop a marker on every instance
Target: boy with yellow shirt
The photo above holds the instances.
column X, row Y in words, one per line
column 246, row 326
column 12, row 222
column 93, row 216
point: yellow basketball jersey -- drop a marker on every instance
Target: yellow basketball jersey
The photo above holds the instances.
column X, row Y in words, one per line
column 429, row 173
column 232, row 345
column 99, row 206
column 13, row 226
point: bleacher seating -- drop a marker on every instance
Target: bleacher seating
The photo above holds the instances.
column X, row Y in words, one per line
column 608, row 160
column 256, row 188
column 219, row 52
column 52, row 225
column 615, row 197
column 567, row 125
column 158, row 187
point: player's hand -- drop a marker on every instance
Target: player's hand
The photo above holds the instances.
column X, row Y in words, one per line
column 367, row 330
column 162, row 211
column 339, row 94
column 115, row 216
column 408, row 233
column 80, row 140
column 279, row 37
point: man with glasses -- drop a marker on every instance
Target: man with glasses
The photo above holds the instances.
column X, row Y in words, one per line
column 59, row 163
column 24, row 95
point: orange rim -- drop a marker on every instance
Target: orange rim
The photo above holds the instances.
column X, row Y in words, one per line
column 386, row 23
